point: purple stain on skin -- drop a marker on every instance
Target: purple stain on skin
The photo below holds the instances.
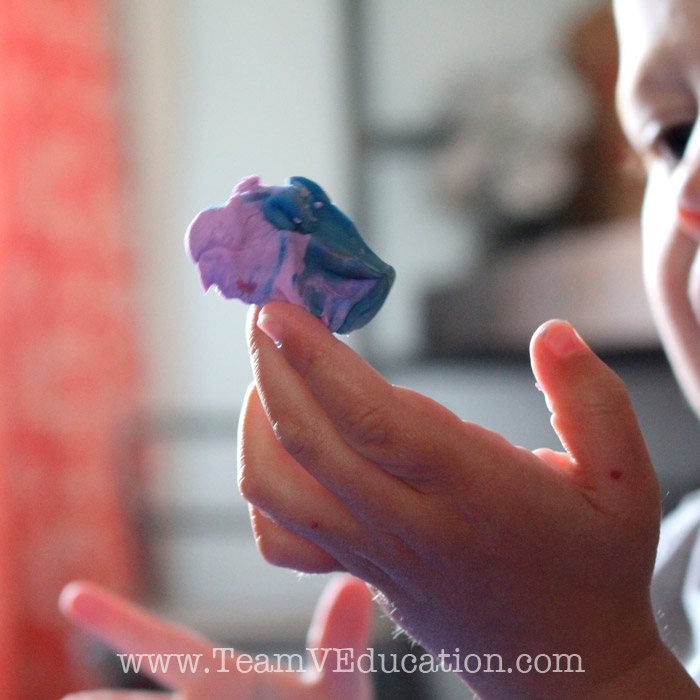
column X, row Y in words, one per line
column 289, row 243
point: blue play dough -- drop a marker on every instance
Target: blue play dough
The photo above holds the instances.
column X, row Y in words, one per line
column 290, row 243
column 336, row 253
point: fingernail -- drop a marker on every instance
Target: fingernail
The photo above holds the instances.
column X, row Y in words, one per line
column 75, row 602
column 562, row 340
column 67, row 597
column 271, row 326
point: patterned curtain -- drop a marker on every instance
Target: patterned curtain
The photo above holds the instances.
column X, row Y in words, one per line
column 68, row 364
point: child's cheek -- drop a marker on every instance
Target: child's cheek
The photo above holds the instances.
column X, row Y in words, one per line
column 659, row 213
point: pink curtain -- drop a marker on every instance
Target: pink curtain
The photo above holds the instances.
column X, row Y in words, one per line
column 68, row 364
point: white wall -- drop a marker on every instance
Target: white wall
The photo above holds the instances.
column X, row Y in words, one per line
column 418, row 46
column 218, row 89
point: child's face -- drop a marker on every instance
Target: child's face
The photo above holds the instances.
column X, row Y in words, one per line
column 658, row 97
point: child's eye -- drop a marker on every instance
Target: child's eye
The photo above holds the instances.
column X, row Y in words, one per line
column 672, row 141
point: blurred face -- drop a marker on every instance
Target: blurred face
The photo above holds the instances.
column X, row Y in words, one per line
column 658, row 97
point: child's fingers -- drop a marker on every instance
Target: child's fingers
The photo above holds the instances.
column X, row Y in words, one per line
column 311, row 439
column 561, row 461
column 342, row 620
column 130, row 629
column 334, row 373
column 592, row 411
column 282, row 547
column 267, row 470
column 388, row 425
column 270, row 478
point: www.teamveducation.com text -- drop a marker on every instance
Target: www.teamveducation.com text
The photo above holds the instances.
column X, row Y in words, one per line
column 227, row 660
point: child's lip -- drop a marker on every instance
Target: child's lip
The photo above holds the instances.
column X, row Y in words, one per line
column 690, row 217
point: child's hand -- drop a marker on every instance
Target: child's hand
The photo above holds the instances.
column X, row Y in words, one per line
column 474, row 543
column 341, row 621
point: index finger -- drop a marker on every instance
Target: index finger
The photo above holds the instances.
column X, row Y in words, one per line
column 128, row 628
column 400, row 429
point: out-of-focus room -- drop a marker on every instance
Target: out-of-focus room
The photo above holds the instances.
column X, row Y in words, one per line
column 475, row 144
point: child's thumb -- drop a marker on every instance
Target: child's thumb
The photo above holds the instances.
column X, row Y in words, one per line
column 591, row 409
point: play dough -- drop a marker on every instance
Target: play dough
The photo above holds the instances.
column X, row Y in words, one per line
column 289, row 243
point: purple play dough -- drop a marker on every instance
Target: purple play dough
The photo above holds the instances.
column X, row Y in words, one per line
column 290, row 243
column 239, row 251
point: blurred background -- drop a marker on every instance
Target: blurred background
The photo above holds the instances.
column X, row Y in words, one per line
column 475, row 144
